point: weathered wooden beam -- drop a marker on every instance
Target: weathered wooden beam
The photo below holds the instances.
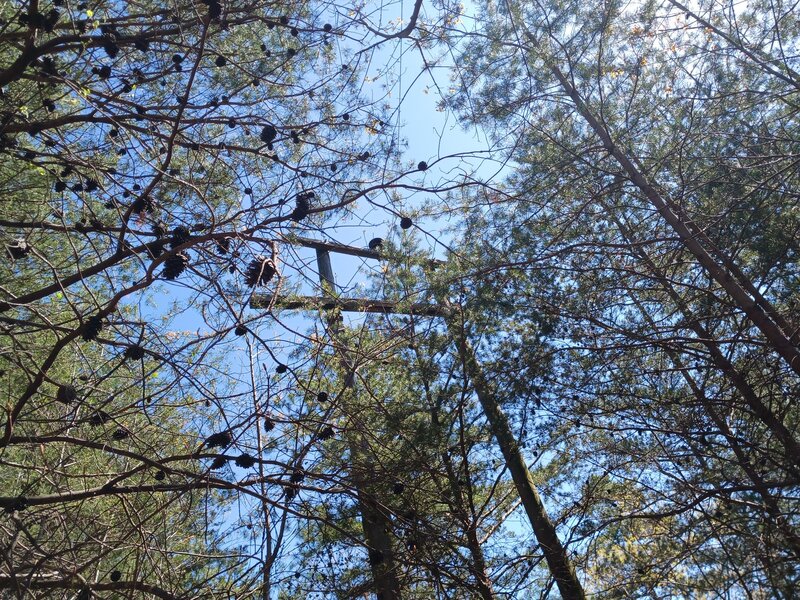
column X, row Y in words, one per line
column 362, row 305
column 348, row 250
column 333, row 247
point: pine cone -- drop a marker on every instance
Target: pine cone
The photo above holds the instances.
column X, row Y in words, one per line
column 134, row 352
column 174, row 266
column 268, row 134
column 180, row 235
column 214, row 9
column 223, row 245
column 111, row 48
column 290, row 491
column 245, row 461
column 219, row 440
column 302, row 205
column 18, row 249
column 66, row 393
column 101, row 417
column 260, row 271
column 92, row 327
column 120, row 433
column 143, row 204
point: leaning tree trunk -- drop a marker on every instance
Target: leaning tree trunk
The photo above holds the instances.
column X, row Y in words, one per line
column 761, row 411
column 543, row 528
column 744, row 294
column 555, row 554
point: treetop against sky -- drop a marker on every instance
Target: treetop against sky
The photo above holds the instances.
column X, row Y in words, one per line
column 399, row 300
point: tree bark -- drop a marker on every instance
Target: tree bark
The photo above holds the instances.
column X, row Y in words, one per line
column 740, row 289
column 543, row 528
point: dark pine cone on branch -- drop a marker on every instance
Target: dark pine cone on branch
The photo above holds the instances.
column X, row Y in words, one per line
column 142, row 205
column 218, row 463
column 18, row 249
column 268, row 134
column 302, row 205
column 223, row 245
column 260, row 271
column 219, row 440
column 245, row 461
column 134, row 352
column 92, row 327
column 66, row 394
column 174, row 266
column 100, row 417
column 120, row 433
column 180, row 235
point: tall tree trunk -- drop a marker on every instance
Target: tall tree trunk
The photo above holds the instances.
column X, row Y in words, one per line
column 704, row 337
column 554, row 552
column 777, row 331
column 375, row 525
column 464, row 500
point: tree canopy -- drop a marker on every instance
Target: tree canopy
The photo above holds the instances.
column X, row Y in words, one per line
column 259, row 341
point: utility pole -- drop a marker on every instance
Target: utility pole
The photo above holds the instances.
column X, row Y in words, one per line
column 555, row 554
column 374, row 522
